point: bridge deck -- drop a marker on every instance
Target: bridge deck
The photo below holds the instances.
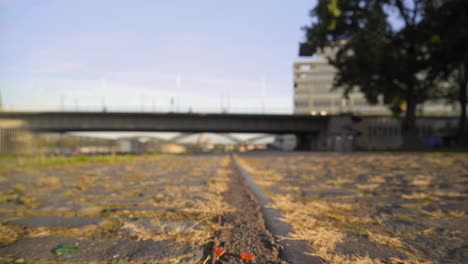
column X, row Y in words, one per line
column 189, row 122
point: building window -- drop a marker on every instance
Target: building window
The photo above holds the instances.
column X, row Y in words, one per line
column 301, row 103
column 322, row 85
column 322, row 104
column 323, row 75
column 305, row 67
column 359, row 103
column 304, row 76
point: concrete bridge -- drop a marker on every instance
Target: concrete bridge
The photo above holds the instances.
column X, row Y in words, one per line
column 308, row 129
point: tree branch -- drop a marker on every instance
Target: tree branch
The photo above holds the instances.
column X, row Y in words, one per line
column 403, row 11
column 415, row 11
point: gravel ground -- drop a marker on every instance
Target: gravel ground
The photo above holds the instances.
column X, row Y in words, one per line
column 372, row 207
column 245, row 230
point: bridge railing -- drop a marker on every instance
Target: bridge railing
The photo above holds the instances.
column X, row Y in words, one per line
column 448, row 112
column 154, row 109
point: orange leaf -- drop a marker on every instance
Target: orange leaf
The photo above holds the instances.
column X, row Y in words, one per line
column 247, row 256
column 220, row 251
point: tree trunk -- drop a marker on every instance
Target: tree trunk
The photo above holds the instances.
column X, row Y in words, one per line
column 463, row 85
column 409, row 130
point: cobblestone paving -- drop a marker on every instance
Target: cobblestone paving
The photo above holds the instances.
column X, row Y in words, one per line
column 148, row 209
column 371, row 208
column 359, row 208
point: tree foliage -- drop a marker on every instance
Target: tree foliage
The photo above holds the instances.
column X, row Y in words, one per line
column 449, row 51
column 384, row 48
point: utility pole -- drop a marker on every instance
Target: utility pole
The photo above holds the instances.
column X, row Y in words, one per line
column 1, row 105
column 103, row 102
column 177, row 103
column 62, row 103
column 264, row 87
column 221, row 102
column 178, row 86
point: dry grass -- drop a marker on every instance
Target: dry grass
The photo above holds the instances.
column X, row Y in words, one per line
column 90, row 231
column 375, row 196
column 321, row 234
column 386, row 240
column 368, row 187
column 422, row 181
column 9, row 234
column 419, row 196
column 450, row 194
column 173, row 260
column 198, row 233
column 456, row 214
column 339, row 181
column 266, row 178
column 438, row 214
column 132, row 179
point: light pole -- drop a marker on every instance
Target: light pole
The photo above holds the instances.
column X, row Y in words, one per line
column 1, row 105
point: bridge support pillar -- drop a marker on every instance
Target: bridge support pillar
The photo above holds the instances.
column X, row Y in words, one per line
column 307, row 142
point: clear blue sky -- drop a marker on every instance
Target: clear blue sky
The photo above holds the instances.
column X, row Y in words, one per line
column 129, row 54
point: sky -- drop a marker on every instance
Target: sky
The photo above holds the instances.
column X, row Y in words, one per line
column 139, row 55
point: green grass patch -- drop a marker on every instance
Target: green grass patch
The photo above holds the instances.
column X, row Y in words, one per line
column 7, row 162
column 353, row 227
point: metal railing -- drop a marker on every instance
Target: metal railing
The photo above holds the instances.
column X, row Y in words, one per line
column 157, row 109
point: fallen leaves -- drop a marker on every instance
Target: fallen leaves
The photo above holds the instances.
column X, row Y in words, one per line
column 220, row 251
column 247, row 256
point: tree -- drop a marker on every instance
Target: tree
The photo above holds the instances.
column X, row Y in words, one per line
column 462, row 82
column 449, row 52
column 382, row 50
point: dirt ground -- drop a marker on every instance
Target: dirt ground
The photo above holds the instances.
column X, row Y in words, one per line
column 244, row 227
column 372, row 207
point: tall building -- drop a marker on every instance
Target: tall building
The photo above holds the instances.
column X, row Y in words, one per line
column 313, row 94
column 378, row 129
